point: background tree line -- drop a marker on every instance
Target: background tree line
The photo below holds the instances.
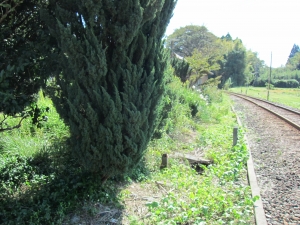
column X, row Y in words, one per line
column 210, row 55
column 287, row 76
column 207, row 54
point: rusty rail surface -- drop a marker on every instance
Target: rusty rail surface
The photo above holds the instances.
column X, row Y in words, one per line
column 288, row 115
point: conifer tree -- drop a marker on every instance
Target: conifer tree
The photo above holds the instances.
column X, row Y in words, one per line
column 181, row 68
column 235, row 64
column 110, row 76
column 294, row 50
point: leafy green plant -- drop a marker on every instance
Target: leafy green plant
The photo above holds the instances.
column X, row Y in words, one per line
column 220, row 195
column 41, row 183
column 44, row 188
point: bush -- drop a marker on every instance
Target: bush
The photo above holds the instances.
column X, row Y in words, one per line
column 291, row 83
column 259, row 82
column 269, row 86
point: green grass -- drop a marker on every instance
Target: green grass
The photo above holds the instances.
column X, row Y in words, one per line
column 28, row 139
column 286, row 96
column 219, row 196
column 41, row 183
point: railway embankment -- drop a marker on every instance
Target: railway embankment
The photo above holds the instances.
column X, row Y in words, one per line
column 275, row 149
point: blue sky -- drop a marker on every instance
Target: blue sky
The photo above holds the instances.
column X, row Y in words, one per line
column 264, row 26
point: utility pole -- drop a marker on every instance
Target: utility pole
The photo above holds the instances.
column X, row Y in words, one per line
column 269, row 78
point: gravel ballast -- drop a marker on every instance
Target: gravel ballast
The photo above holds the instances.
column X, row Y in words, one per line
column 275, row 148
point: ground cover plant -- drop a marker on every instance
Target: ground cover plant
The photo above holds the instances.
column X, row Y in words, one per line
column 286, row 96
column 179, row 194
column 39, row 180
column 41, row 183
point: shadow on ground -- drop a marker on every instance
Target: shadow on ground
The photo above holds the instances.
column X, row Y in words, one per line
column 51, row 188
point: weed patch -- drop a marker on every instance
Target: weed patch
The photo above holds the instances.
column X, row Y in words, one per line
column 41, row 183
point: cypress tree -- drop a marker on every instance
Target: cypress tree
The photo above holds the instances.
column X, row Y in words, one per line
column 181, row 68
column 235, row 64
column 294, row 50
column 110, row 77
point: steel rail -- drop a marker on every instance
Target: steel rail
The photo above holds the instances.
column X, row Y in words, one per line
column 262, row 100
column 246, row 97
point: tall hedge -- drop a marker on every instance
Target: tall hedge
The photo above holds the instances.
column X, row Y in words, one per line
column 290, row 83
column 110, row 76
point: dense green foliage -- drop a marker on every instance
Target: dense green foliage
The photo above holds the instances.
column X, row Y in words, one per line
column 23, row 54
column 285, row 83
column 254, row 67
column 202, row 50
column 291, row 83
column 187, row 197
column 186, row 39
column 294, row 51
column 294, row 62
column 110, row 77
column 181, row 68
column 213, row 56
column 285, row 74
column 41, row 183
column 235, row 64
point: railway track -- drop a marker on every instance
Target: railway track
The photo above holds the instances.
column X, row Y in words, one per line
column 287, row 114
column 275, row 149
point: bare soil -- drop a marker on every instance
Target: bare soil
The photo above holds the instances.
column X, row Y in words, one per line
column 275, row 148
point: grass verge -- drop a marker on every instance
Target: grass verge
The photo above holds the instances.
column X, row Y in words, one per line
column 40, row 183
column 180, row 195
column 286, row 96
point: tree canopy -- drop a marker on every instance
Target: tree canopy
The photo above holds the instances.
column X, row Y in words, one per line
column 186, row 39
column 294, row 50
column 209, row 55
column 293, row 62
column 22, row 54
column 25, row 51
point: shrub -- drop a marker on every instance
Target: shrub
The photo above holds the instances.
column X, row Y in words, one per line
column 291, row 83
column 259, row 82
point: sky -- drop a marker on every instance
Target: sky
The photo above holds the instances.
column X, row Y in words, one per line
column 265, row 26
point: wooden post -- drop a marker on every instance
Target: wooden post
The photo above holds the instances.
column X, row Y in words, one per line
column 268, row 96
column 235, row 135
column 164, row 161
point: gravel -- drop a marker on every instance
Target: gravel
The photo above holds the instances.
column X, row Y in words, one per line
column 275, row 148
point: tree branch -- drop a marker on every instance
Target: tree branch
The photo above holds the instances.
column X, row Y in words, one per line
column 14, row 127
column 9, row 11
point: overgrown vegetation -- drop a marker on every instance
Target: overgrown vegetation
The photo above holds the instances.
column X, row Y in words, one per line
column 221, row 194
column 41, row 183
column 105, row 64
column 39, row 180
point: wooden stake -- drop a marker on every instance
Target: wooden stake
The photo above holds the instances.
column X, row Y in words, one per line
column 235, row 135
column 164, row 161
